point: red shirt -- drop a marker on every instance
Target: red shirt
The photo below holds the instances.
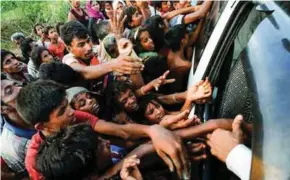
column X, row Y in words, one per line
column 36, row 140
column 57, row 50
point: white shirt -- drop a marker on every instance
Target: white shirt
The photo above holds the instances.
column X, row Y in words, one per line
column 69, row 59
column 239, row 161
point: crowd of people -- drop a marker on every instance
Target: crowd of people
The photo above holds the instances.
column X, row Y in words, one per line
column 103, row 95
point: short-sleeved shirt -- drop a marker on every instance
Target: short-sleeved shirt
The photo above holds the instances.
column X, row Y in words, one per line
column 30, row 159
column 179, row 19
column 32, row 70
column 69, row 59
column 57, row 50
column 15, row 142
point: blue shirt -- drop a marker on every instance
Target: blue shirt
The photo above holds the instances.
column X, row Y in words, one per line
column 14, row 142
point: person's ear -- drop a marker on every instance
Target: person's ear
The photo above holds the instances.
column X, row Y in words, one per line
column 68, row 48
column 39, row 126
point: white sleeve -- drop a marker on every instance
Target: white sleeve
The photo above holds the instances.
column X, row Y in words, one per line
column 239, row 161
column 69, row 59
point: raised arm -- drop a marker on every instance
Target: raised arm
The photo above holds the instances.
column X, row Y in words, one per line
column 123, row 65
column 200, row 13
column 167, row 145
column 172, row 14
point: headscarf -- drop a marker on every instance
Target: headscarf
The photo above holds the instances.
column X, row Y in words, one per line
column 92, row 13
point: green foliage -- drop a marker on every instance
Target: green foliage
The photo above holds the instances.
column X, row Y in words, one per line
column 20, row 16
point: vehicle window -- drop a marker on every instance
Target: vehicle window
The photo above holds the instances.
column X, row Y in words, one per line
column 209, row 24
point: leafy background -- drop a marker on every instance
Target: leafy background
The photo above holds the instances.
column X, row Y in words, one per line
column 20, row 16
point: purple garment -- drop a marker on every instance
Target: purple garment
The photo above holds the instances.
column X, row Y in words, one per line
column 92, row 13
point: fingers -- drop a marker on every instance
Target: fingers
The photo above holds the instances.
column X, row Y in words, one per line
column 183, row 124
column 178, row 161
column 167, row 160
column 237, row 124
column 169, row 81
column 166, row 74
column 182, row 115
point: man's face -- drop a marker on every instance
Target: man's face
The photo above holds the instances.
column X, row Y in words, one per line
column 85, row 102
column 82, row 48
column 128, row 100
column 60, row 118
column 11, row 64
column 9, row 92
column 137, row 19
column 52, row 34
column 154, row 112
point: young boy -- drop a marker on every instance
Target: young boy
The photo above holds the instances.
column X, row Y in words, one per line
column 44, row 105
column 81, row 56
column 79, row 153
column 56, row 47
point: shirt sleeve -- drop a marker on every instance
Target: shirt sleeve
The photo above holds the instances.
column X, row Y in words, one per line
column 239, row 161
column 69, row 59
column 82, row 117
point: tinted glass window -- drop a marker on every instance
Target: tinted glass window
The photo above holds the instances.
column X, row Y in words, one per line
column 209, row 24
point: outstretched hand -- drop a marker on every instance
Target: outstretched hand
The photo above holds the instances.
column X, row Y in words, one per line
column 200, row 91
column 179, row 121
column 156, row 83
column 171, row 149
column 222, row 142
column 117, row 24
column 130, row 169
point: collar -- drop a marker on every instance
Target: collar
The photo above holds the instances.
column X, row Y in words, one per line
column 25, row 133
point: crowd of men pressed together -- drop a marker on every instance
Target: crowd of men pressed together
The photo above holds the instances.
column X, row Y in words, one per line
column 103, row 95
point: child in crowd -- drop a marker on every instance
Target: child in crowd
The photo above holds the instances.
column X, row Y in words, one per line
column 43, row 104
column 41, row 55
column 56, row 47
column 43, row 40
column 14, row 69
column 134, row 18
column 81, row 153
column 26, row 47
column 144, row 44
column 161, row 6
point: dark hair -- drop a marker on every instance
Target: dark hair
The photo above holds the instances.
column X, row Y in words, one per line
column 68, row 155
column 155, row 26
column 137, row 42
column 57, row 27
column 100, row 30
column 34, row 27
column 113, row 91
column 25, row 47
column 156, row 4
column 154, row 67
column 129, row 11
column 174, row 36
column 71, row 30
column 37, row 100
column 58, row 72
column 4, row 53
column 36, row 55
column 144, row 101
column 47, row 28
